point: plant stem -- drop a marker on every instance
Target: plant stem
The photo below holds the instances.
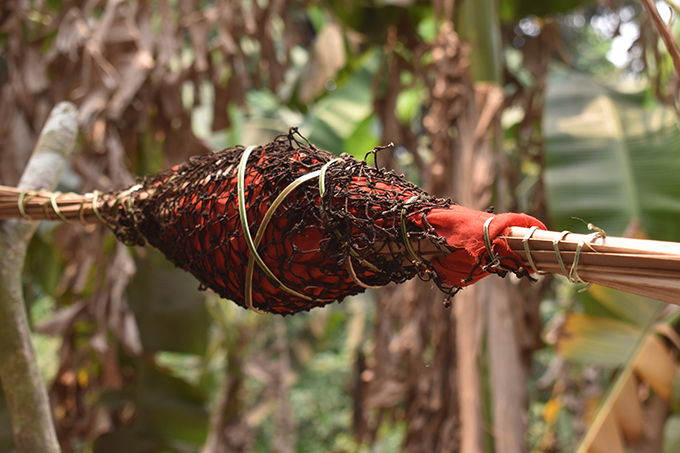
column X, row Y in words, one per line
column 24, row 390
column 665, row 32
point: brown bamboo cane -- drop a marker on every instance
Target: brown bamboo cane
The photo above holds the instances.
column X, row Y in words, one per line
column 65, row 207
column 644, row 267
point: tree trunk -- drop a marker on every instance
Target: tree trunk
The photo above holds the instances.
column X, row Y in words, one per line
column 24, row 390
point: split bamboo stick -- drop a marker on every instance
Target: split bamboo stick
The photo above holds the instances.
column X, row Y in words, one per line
column 644, row 267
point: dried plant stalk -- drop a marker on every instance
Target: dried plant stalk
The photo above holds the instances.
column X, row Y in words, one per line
column 40, row 205
column 644, row 267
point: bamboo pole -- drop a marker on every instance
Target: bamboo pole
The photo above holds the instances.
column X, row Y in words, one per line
column 40, row 205
column 644, row 267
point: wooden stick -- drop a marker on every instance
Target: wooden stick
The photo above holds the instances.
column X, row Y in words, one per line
column 644, row 267
column 65, row 207
column 38, row 205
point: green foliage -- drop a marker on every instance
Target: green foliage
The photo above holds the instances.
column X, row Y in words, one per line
column 169, row 309
column 46, row 346
column 44, row 265
column 640, row 311
column 609, row 160
column 170, row 415
column 515, row 10
column 337, row 116
column 170, row 408
column 603, row 341
column 322, row 419
column 671, row 435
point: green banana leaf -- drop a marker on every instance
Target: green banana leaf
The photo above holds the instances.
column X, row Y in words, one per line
column 609, row 160
column 613, row 162
column 603, row 341
column 671, row 435
column 339, row 118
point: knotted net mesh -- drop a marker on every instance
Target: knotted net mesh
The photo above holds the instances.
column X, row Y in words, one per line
column 191, row 214
column 332, row 235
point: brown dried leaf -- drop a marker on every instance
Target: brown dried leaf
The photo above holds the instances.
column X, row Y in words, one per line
column 628, row 410
column 199, row 26
column 115, row 313
column 35, row 80
column 71, row 37
column 656, row 366
column 327, row 58
column 62, row 319
column 134, row 75
column 91, row 108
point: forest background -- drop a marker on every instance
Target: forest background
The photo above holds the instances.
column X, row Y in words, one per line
column 565, row 110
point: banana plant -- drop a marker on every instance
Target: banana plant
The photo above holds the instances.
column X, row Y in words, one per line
column 613, row 161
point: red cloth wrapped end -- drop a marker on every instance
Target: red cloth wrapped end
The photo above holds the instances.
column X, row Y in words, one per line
column 463, row 230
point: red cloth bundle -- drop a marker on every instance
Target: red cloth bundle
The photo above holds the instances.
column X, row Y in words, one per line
column 463, row 230
column 321, row 244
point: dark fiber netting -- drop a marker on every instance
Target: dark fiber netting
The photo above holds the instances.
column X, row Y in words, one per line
column 191, row 214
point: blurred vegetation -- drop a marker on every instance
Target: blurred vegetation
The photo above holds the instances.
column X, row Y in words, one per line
column 137, row 359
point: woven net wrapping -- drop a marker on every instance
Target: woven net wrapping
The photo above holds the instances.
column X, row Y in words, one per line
column 324, row 243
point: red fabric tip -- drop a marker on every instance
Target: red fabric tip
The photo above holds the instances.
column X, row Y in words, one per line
column 463, row 230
